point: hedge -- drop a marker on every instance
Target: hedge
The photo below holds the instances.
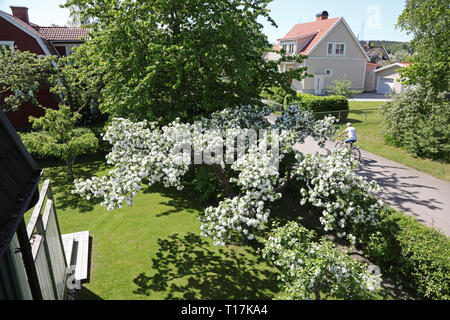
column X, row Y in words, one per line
column 325, row 104
column 310, row 102
column 415, row 255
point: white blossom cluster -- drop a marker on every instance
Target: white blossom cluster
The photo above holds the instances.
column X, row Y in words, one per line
column 139, row 151
column 257, row 179
column 144, row 153
column 346, row 198
column 310, row 268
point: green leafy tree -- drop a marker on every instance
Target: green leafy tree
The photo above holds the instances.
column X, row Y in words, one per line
column 59, row 137
column 429, row 22
column 165, row 59
column 343, row 87
column 419, row 121
column 24, row 74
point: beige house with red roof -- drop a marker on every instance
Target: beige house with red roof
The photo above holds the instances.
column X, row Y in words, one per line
column 17, row 31
column 333, row 53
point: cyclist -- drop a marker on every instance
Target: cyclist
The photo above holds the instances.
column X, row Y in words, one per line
column 351, row 131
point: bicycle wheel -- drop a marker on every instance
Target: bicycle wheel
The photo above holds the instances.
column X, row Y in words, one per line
column 338, row 145
column 356, row 154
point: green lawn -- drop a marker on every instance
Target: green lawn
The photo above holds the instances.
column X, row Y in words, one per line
column 153, row 250
column 370, row 138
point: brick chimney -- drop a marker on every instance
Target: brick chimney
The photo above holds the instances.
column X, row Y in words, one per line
column 21, row 13
column 322, row 16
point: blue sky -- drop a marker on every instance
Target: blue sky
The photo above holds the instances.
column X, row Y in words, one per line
column 380, row 16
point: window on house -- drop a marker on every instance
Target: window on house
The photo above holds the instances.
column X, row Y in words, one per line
column 330, row 49
column 291, row 48
column 328, row 72
column 336, row 49
column 340, row 49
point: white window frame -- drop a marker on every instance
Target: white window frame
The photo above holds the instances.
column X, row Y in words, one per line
column 7, row 43
column 288, row 46
column 331, row 72
column 334, row 46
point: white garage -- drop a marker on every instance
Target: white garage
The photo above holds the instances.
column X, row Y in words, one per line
column 387, row 78
column 385, row 85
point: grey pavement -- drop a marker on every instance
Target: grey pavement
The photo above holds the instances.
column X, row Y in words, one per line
column 370, row 97
column 415, row 193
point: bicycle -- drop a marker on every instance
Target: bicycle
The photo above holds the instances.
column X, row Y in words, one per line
column 354, row 151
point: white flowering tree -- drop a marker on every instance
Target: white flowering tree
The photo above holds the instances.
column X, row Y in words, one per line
column 254, row 161
column 317, row 269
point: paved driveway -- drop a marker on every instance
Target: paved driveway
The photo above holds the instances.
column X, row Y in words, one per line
column 370, row 97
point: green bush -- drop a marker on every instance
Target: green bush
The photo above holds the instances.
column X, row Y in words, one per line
column 343, row 87
column 415, row 255
column 419, row 122
column 279, row 96
column 324, row 105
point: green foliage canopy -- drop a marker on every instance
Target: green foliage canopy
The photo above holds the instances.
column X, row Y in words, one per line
column 59, row 137
column 429, row 22
column 24, row 74
column 165, row 59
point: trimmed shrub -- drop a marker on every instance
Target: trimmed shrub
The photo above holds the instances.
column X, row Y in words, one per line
column 415, row 255
column 325, row 105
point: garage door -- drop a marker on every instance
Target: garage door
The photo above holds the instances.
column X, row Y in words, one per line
column 385, row 85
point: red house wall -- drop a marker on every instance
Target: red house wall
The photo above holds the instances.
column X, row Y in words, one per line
column 25, row 42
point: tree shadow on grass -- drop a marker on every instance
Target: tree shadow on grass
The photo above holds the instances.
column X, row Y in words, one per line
column 185, row 200
column 56, row 172
column 186, row 268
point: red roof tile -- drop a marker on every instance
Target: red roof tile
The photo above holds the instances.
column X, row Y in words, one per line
column 64, row 33
column 305, row 29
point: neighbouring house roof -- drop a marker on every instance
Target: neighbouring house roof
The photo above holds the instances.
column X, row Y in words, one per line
column 64, row 33
column 45, row 35
column 380, row 51
column 372, row 66
column 316, row 30
column 397, row 65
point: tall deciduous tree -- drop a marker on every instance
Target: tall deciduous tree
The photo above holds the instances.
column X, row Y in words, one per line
column 59, row 137
column 24, row 74
column 165, row 59
column 429, row 22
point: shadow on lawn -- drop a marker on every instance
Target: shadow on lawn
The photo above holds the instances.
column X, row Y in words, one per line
column 186, row 268
column 85, row 168
column 185, row 200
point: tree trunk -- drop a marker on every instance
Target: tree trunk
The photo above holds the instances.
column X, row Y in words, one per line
column 220, row 173
column 69, row 162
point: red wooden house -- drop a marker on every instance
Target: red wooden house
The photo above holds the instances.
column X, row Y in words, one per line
column 17, row 31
